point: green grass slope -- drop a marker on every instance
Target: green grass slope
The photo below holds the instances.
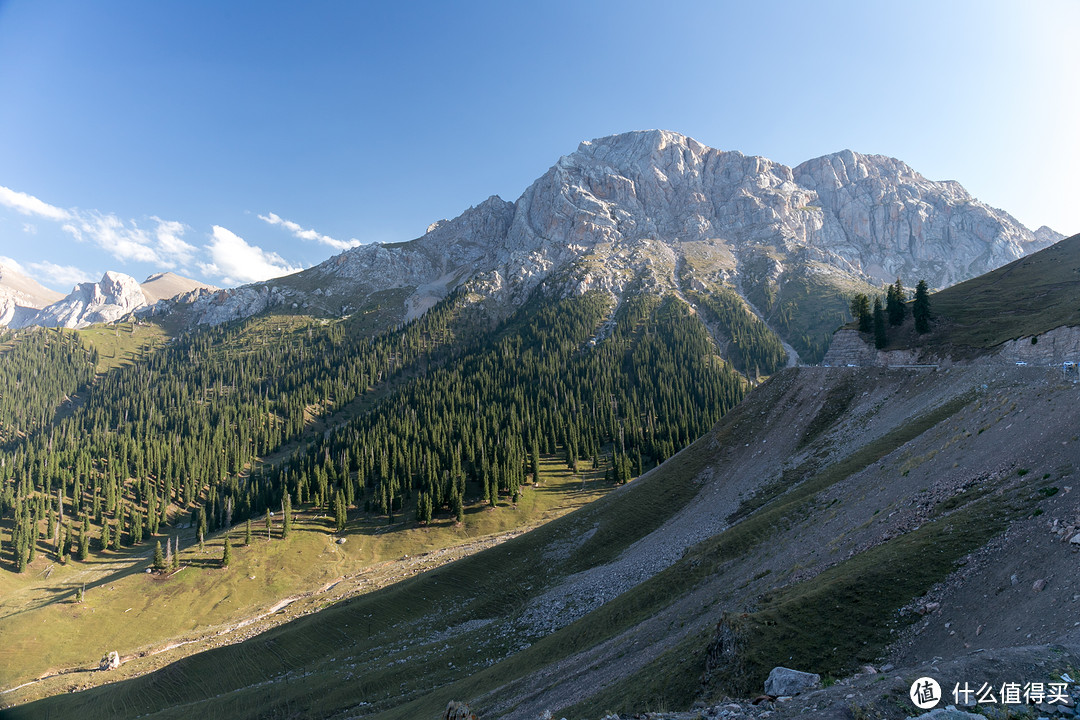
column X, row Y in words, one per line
column 1027, row 297
column 136, row 614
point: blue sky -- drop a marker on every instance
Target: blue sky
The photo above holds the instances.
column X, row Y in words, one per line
column 233, row 141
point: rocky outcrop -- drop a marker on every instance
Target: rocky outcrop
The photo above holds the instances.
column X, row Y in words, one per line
column 848, row 349
column 1054, row 347
column 115, row 296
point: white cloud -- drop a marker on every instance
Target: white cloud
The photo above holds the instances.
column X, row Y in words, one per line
column 51, row 274
column 123, row 239
column 171, row 248
column 303, row 234
column 12, row 264
column 30, row 205
column 110, row 233
column 237, row 262
column 126, row 241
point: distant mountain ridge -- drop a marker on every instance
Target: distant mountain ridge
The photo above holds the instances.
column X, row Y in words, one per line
column 21, row 296
column 112, row 298
column 663, row 209
column 655, row 211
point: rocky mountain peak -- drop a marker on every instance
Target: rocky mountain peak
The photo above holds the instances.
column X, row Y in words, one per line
column 166, row 285
column 655, row 147
column 631, row 206
column 111, row 298
column 1046, row 236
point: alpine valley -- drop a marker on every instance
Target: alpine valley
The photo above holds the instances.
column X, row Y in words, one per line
column 613, row 448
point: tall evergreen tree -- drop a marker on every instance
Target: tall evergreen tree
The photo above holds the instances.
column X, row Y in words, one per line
column 881, row 336
column 920, row 308
column 159, row 558
column 226, row 554
column 860, row 310
column 457, row 506
column 340, row 516
column 895, row 308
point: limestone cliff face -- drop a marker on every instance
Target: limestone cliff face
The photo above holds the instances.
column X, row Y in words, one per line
column 892, row 222
column 625, row 208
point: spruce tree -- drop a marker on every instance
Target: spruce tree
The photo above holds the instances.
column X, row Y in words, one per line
column 881, row 337
column 226, row 555
column 920, row 308
column 860, row 310
column 895, row 308
column 159, row 557
column 247, row 532
column 286, row 516
column 106, row 536
column 84, row 545
column 458, row 507
column 340, row 516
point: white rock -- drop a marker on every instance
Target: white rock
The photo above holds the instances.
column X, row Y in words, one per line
column 115, row 296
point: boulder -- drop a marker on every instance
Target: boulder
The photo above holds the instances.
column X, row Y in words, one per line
column 110, row 661
column 785, row 681
column 458, row 711
column 948, row 713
